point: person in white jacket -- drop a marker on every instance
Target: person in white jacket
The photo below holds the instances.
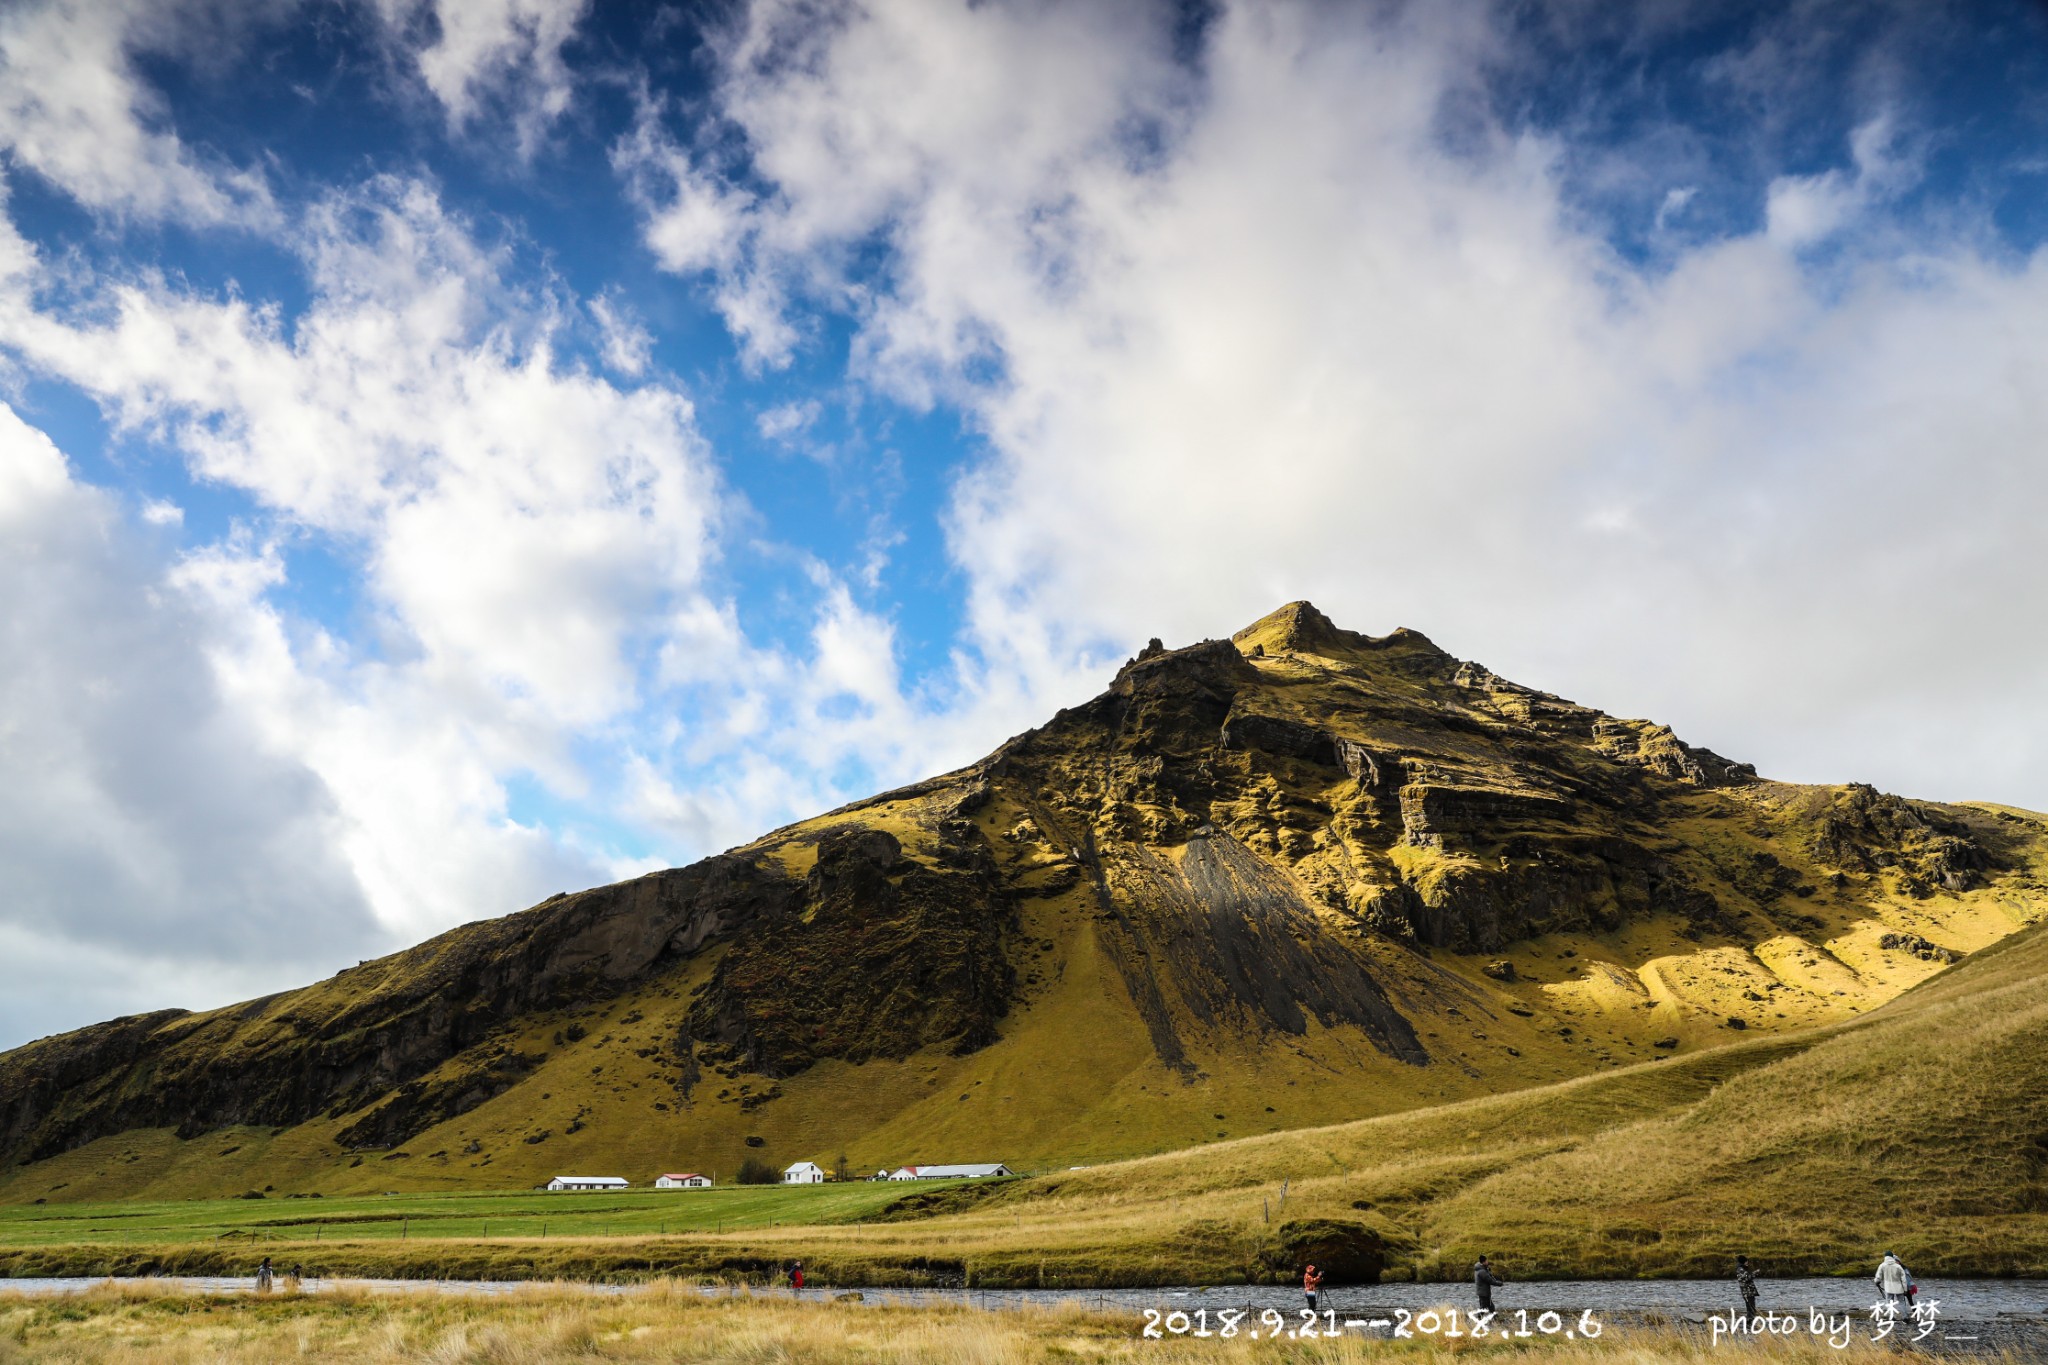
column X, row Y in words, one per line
column 1893, row 1282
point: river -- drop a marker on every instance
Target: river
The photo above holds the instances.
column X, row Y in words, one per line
column 1965, row 1315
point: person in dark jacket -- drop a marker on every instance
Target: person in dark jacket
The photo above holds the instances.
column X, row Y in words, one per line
column 1745, row 1285
column 1484, row 1280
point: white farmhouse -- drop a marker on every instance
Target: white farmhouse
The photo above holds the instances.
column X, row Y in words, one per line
column 804, row 1173
column 588, row 1182
column 971, row 1172
column 688, row 1180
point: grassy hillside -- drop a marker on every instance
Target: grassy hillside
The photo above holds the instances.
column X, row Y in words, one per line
column 1921, row 1127
column 1261, row 885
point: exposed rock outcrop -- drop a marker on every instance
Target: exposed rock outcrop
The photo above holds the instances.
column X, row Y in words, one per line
column 882, row 955
column 348, row 1043
column 1866, row 830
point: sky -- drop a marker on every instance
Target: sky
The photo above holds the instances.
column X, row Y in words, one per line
column 455, row 451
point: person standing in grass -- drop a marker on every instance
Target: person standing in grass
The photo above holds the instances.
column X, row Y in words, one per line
column 1745, row 1285
column 264, row 1275
column 796, row 1277
column 1485, row 1281
column 1311, row 1284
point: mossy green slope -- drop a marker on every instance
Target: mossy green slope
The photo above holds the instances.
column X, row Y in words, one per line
column 1293, row 878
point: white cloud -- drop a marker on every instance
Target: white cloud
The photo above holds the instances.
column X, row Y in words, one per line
column 785, row 732
column 492, row 54
column 1802, row 210
column 627, row 344
column 520, row 515
column 1267, row 334
column 695, row 221
column 149, row 830
column 1674, row 204
column 74, row 110
column 787, row 421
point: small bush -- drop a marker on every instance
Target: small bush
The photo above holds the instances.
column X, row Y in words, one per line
column 754, row 1171
column 1346, row 1252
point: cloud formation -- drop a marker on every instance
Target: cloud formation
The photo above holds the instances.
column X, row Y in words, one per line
column 478, row 56
column 1308, row 318
column 147, row 824
column 74, row 110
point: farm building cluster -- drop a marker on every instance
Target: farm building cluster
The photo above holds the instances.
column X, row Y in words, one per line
column 685, row 1180
column 800, row 1173
column 811, row 1173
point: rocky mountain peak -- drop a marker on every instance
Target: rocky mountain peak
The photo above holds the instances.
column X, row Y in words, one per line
column 1297, row 627
column 1300, row 628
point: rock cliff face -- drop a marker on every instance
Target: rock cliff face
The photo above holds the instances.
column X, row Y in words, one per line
column 1264, row 839
column 881, row 956
column 362, row 1040
column 1421, row 795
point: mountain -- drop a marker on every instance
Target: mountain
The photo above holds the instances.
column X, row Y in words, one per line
column 1295, row 877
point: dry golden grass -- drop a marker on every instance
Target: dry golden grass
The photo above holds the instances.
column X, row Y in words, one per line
column 669, row 1322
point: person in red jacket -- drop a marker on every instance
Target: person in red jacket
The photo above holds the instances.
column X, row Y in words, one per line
column 1311, row 1281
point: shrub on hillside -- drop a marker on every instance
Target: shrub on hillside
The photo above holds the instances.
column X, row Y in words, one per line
column 1346, row 1252
column 754, row 1171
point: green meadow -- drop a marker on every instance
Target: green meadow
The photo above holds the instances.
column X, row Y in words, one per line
column 480, row 1216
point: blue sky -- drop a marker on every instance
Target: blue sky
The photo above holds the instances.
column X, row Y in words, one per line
column 456, row 450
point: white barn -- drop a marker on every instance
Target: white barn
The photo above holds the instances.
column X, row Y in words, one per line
column 688, row 1180
column 804, row 1173
column 588, row 1182
column 970, row 1172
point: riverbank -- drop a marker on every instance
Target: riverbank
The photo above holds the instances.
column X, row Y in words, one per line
column 672, row 1322
column 614, row 1261
column 860, row 1257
